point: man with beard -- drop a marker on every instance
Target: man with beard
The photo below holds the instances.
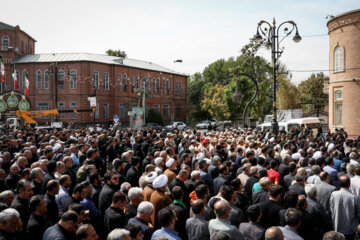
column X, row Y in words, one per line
column 111, row 186
column 21, row 202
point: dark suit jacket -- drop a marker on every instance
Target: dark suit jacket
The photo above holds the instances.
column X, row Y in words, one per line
column 182, row 214
column 270, row 213
column 22, row 206
column 36, row 227
column 114, row 218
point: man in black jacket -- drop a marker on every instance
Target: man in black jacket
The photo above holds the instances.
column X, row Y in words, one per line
column 65, row 228
column 133, row 174
column 180, row 180
column 37, row 176
column 182, row 213
column 270, row 208
column 21, row 202
column 52, row 215
column 78, row 195
column 115, row 215
column 12, row 179
column 111, row 186
column 37, row 223
column 68, row 162
column 51, row 168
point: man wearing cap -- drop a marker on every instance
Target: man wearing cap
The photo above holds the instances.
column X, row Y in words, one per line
column 171, row 165
column 149, row 189
column 158, row 198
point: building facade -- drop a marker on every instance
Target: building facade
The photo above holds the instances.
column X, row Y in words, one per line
column 65, row 81
column 344, row 83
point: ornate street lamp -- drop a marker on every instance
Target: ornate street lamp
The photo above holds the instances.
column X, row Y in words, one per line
column 270, row 33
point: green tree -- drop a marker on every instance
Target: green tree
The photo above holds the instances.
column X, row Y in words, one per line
column 116, row 53
column 214, row 101
column 154, row 116
column 195, row 92
column 311, row 91
column 287, row 94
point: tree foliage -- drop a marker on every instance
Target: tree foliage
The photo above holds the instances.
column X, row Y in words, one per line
column 214, row 102
column 116, row 53
column 311, row 91
column 287, row 94
column 154, row 117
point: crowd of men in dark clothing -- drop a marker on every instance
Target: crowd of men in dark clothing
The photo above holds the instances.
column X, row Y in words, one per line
column 109, row 184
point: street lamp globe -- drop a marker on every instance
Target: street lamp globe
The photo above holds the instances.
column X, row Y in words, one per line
column 297, row 37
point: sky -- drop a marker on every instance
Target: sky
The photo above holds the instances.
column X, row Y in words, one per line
column 198, row 32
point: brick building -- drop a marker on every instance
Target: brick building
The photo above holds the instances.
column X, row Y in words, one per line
column 344, row 84
column 115, row 81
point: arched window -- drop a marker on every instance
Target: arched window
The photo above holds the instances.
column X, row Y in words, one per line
column 46, row 79
column 96, row 80
column 132, row 83
column 61, row 80
column 125, row 83
column 338, row 108
column 38, row 79
column 73, row 79
column 154, row 85
column 120, row 82
column 338, row 59
column 5, row 41
column 106, row 81
column 23, row 80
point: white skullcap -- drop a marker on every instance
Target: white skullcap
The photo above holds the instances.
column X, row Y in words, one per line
column 272, row 140
column 317, row 154
column 200, row 156
column 151, row 177
column 158, row 160
column 169, row 162
column 296, row 156
column 160, row 181
column 56, row 147
column 331, row 146
column 208, row 161
column 51, row 141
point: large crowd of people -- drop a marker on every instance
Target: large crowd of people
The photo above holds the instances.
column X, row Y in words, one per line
column 102, row 183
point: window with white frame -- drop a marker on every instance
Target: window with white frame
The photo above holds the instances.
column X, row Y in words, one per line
column 164, row 86
column 97, row 111
column 38, row 79
column 125, row 83
column 61, row 80
column 154, row 85
column 132, row 83
column 122, row 110
column 158, row 86
column 338, row 59
column 43, row 106
column 46, row 79
column 5, row 41
column 147, row 84
column 96, row 80
column 23, row 82
column 120, row 82
column 137, row 81
column 73, row 105
column 73, row 80
column 156, row 107
column 61, row 106
column 106, row 110
column 166, row 111
column 106, row 81
column 338, row 108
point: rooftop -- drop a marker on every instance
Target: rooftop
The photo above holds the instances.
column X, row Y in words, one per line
column 90, row 57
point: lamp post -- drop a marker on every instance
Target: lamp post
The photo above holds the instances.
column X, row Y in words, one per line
column 270, row 33
column 54, row 70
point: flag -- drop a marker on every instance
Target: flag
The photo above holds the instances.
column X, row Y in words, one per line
column 2, row 70
column 27, row 85
column 15, row 78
